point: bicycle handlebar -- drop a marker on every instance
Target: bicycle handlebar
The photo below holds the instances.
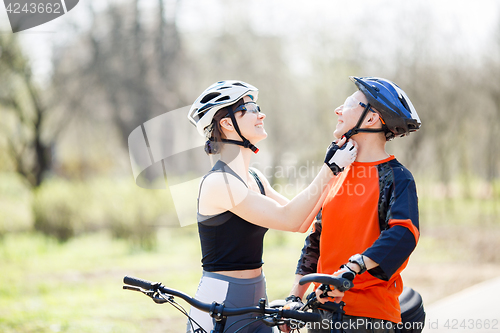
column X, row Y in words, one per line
column 339, row 283
column 207, row 307
column 132, row 281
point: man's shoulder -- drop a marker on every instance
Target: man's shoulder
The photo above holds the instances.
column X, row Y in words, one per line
column 398, row 170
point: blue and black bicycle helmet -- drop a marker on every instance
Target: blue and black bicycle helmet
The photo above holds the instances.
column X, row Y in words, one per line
column 399, row 117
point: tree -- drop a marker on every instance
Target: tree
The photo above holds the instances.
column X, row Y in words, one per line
column 124, row 69
column 25, row 111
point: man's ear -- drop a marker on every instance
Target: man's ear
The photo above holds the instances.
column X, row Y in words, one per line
column 227, row 124
column 372, row 119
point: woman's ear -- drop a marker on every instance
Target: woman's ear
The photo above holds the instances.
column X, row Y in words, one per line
column 227, row 124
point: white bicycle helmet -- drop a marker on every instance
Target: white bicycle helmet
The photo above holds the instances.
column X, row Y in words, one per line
column 216, row 97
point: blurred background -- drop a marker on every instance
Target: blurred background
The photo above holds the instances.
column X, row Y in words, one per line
column 72, row 220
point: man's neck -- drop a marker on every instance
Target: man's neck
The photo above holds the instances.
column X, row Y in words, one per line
column 370, row 148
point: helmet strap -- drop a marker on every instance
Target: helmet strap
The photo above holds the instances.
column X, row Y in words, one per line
column 356, row 129
column 245, row 143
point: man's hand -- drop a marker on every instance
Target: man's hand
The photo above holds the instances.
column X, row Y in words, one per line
column 331, row 296
column 292, row 303
column 326, row 294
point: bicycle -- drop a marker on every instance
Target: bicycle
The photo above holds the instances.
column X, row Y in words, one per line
column 410, row 301
column 273, row 315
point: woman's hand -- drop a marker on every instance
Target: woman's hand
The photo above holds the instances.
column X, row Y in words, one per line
column 340, row 155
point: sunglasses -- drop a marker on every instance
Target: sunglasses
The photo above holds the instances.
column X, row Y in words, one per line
column 351, row 103
column 370, row 108
column 364, row 105
column 251, row 107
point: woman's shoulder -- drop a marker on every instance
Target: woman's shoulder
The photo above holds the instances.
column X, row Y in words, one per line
column 221, row 178
column 222, row 190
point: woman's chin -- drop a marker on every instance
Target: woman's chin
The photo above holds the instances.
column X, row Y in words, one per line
column 261, row 137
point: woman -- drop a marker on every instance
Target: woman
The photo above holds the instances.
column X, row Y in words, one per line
column 237, row 205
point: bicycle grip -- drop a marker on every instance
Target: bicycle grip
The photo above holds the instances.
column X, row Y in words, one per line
column 301, row 315
column 132, row 281
column 339, row 283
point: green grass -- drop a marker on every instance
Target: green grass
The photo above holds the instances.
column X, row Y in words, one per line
column 46, row 286
column 15, row 198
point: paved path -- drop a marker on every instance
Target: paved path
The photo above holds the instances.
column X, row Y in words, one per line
column 475, row 309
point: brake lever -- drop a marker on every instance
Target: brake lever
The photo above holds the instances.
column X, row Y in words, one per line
column 160, row 298
column 156, row 296
column 310, row 300
column 132, row 288
column 325, row 288
column 272, row 321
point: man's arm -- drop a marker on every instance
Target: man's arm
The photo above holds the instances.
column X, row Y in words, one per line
column 395, row 244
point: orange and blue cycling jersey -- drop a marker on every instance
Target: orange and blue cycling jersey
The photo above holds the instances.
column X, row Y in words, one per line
column 374, row 211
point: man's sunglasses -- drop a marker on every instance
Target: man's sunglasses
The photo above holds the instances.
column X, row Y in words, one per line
column 370, row 108
column 352, row 102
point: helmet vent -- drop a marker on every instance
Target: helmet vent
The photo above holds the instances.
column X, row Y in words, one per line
column 223, row 98
column 399, row 130
column 238, row 84
column 413, row 127
column 403, row 101
column 209, row 97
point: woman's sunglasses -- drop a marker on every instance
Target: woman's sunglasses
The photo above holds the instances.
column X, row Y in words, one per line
column 251, row 107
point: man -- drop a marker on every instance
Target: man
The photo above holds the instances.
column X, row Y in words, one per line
column 368, row 225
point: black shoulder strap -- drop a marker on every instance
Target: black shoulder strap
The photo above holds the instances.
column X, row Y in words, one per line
column 220, row 166
column 259, row 183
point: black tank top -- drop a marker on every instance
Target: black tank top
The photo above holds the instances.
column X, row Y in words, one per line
column 229, row 242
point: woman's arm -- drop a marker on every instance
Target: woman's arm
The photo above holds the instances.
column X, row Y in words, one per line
column 278, row 197
column 307, row 223
column 223, row 191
